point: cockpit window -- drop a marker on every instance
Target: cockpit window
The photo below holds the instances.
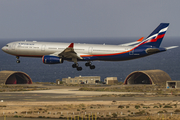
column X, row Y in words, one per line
column 6, row 45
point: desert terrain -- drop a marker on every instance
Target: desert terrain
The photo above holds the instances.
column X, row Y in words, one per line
column 42, row 101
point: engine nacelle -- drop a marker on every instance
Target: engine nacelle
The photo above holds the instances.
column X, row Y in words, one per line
column 47, row 59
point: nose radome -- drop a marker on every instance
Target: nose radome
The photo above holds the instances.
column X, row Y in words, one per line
column 3, row 49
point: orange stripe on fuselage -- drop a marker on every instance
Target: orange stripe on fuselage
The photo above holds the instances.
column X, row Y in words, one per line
column 152, row 40
column 141, row 39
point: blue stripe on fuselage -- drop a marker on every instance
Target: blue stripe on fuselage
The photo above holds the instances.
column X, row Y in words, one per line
column 119, row 57
column 136, row 53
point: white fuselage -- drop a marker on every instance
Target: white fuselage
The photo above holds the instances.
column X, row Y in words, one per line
column 39, row 49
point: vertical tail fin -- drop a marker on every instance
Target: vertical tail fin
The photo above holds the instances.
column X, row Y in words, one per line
column 156, row 37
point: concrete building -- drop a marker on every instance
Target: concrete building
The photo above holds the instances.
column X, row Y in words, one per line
column 14, row 77
column 152, row 77
column 173, row 84
column 111, row 80
column 82, row 80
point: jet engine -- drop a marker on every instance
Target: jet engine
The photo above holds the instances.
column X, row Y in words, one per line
column 47, row 59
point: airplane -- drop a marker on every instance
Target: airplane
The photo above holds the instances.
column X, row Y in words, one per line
column 56, row 52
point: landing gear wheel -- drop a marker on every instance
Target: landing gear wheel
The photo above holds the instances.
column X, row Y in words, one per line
column 87, row 64
column 92, row 67
column 18, row 61
column 75, row 65
column 79, row 68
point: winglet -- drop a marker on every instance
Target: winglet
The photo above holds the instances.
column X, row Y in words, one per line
column 141, row 39
column 71, row 45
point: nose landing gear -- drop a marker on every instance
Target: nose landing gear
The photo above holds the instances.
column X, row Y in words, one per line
column 17, row 61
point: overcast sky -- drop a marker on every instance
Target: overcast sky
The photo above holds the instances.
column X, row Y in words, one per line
column 87, row 18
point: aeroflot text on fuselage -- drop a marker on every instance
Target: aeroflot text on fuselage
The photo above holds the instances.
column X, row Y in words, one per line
column 25, row 44
column 55, row 53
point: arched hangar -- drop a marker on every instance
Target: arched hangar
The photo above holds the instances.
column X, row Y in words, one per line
column 153, row 77
column 14, row 77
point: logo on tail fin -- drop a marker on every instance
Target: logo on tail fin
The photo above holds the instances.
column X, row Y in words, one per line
column 156, row 37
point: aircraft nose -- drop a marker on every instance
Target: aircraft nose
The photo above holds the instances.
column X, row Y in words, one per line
column 3, row 48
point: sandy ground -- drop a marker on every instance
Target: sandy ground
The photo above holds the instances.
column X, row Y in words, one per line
column 82, row 109
column 11, row 118
column 135, row 109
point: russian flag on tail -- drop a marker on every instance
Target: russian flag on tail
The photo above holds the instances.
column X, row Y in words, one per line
column 156, row 37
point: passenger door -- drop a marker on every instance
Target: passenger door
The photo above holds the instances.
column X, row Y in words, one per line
column 13, row 46
column 90, row 50
column 43, row 47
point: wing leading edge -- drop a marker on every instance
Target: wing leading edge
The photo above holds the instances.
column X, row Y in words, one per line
column 68, row 53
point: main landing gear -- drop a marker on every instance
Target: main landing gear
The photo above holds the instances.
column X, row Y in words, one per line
column 75, row 65
column 17, row 61
column 89, row 64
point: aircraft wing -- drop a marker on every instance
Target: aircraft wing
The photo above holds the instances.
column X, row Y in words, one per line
column 132, row 43
column 68, row 53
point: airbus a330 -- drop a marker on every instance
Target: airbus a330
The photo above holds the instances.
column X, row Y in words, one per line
column 54, row 53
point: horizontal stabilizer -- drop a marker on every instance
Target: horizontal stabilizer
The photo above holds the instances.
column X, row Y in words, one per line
column 171, row 47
